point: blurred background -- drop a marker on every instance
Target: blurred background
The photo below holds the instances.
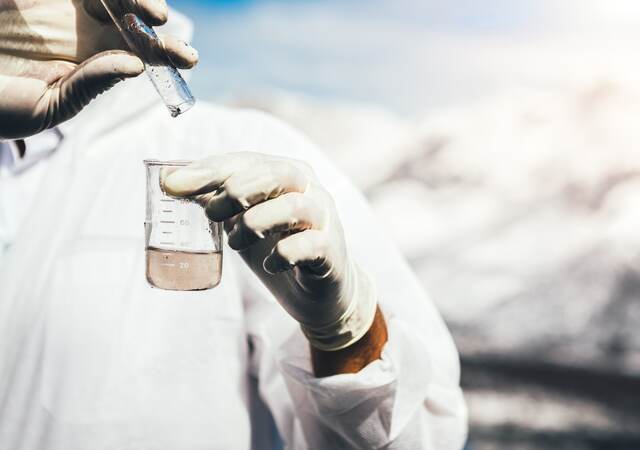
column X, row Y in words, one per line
column 498, row 141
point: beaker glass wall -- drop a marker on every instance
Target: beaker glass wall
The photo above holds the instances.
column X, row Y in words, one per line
column 183, row 247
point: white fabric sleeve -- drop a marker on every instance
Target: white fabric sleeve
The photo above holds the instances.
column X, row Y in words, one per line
column 411, row 397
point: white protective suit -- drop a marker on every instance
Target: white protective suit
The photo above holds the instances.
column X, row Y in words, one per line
column 91, row 357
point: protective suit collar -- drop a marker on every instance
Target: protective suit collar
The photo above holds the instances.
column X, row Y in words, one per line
column 129, row 98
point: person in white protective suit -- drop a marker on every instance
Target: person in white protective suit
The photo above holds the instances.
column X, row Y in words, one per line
column 318, row 337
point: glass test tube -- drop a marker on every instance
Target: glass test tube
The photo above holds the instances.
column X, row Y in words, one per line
column 168, row 82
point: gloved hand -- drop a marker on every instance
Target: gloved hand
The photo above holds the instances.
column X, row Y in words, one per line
column 286, row 228
column 58, row 55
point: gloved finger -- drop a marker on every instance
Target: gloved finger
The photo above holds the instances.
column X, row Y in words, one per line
column 288, row 213
column 181, row 54
column 308, row 249
column 90, row 79
column 155, row 50
column 207, row 175
column 254, row 185
column 152, row 12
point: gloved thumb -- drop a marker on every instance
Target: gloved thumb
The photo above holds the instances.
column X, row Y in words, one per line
column 94, row 76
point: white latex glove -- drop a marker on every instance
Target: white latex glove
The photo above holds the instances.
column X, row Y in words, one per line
column 58, row 55
column 286, row 228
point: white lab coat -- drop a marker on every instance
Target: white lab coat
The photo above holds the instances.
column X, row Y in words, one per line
column 92, row 357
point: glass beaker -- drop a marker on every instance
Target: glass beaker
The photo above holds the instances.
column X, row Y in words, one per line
column 183, row 247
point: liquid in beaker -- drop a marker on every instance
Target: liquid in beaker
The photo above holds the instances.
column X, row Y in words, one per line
column 183, row 271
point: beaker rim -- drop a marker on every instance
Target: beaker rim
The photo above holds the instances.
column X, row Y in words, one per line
column 158, row 162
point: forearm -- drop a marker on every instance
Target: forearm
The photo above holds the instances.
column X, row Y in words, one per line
column 410, row 385
column 355, row 357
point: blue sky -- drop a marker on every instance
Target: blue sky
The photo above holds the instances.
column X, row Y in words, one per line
column 408, row 55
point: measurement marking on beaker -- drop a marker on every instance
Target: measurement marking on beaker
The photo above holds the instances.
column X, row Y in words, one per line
column 167, row 232
column 167, row 200
column 167, row 264
column 167, row 210
column 167, row 243
column 167, row 221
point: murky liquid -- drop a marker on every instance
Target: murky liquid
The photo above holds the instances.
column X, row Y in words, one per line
column 183, row 271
